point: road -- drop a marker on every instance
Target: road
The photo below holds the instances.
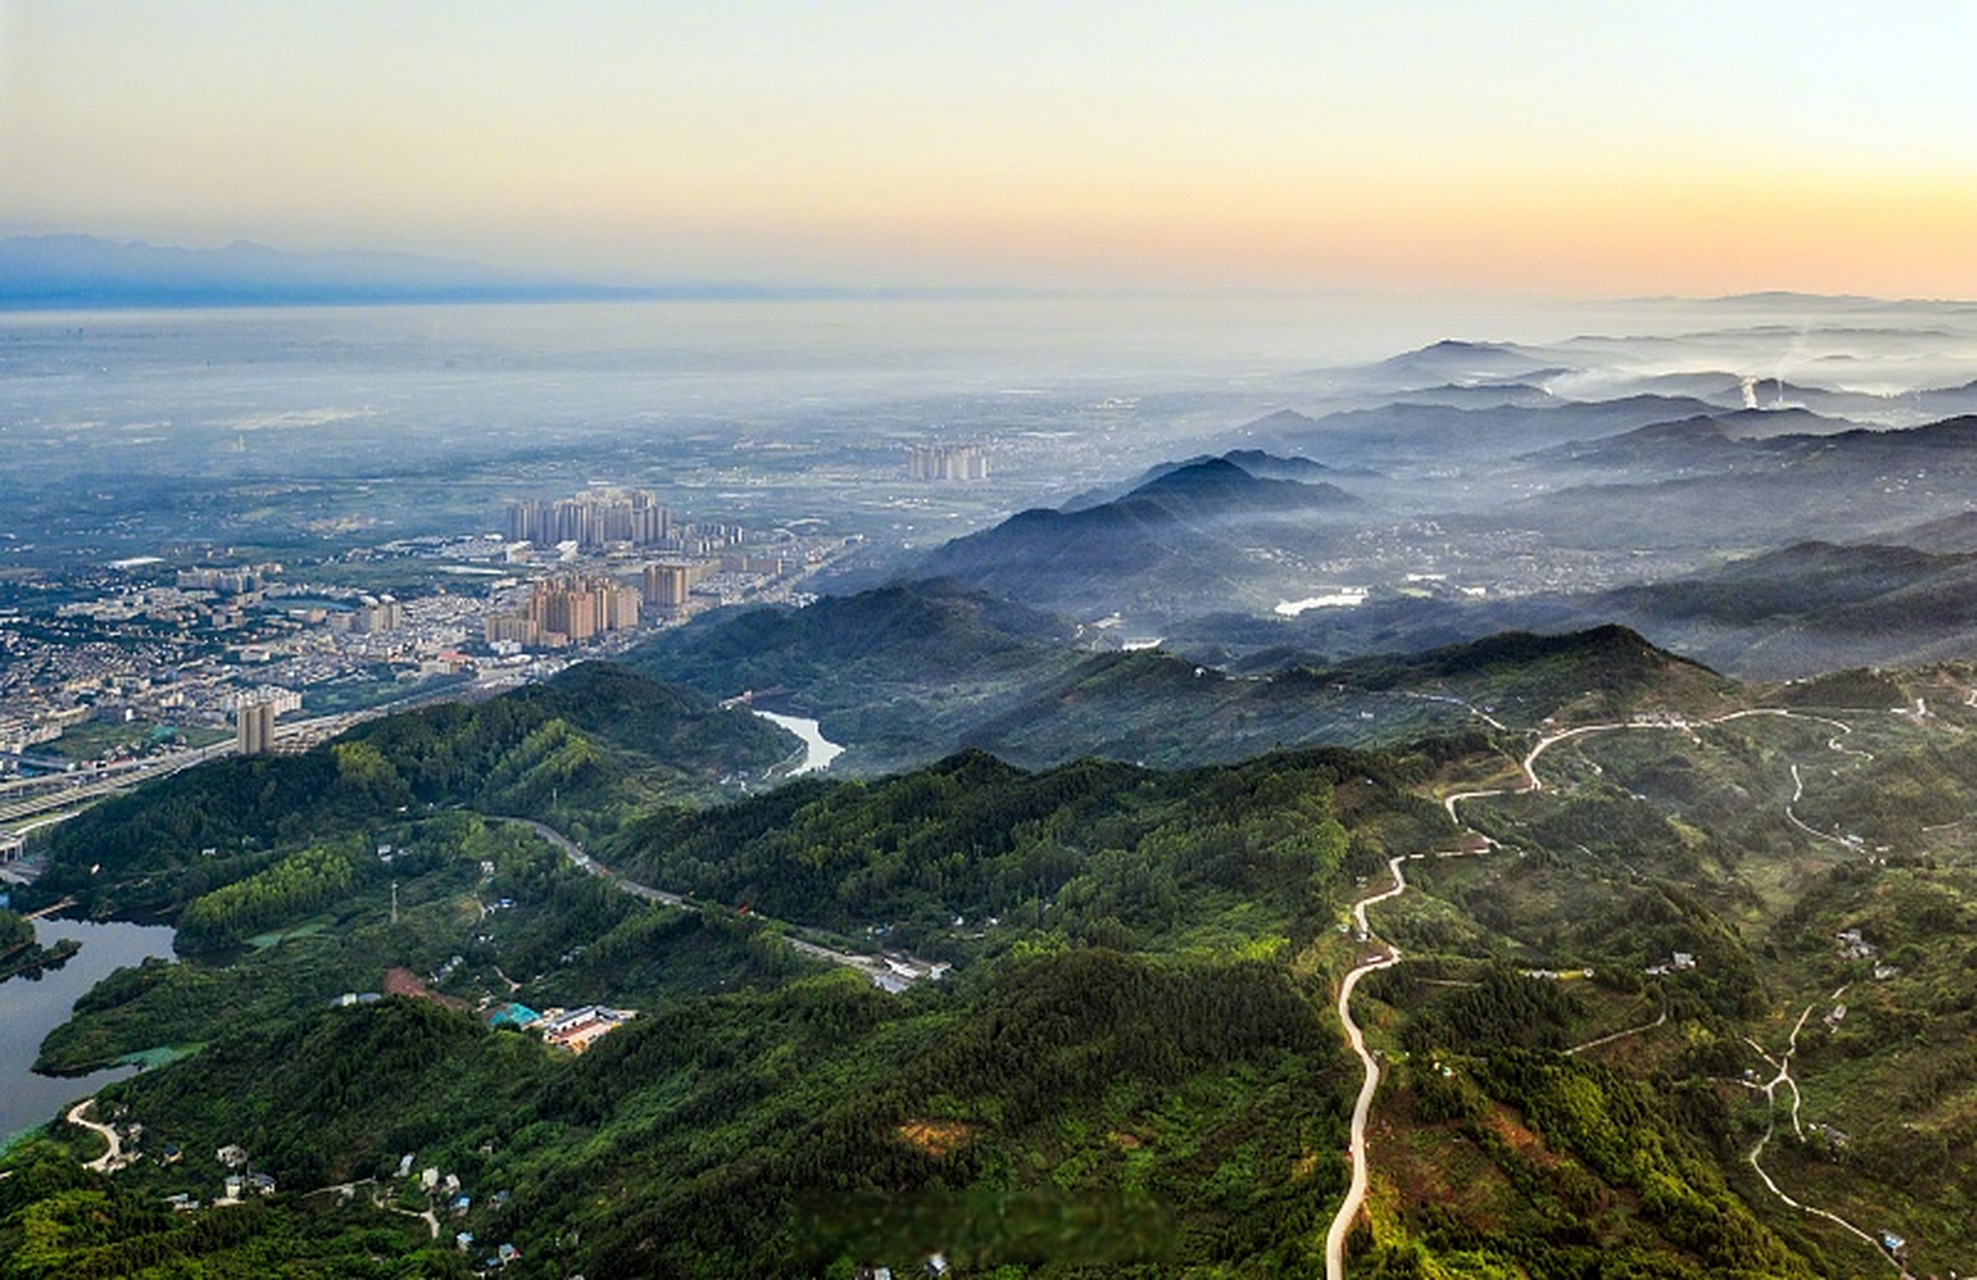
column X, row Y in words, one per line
column 1355, row 1195
column 1783, row 1065
column 873, row 967
column 1389, row 955
column 1620, row 1035
column 113, row 1159
column 94, row 784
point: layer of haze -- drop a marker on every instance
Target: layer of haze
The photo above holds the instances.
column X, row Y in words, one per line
column 1561, row 148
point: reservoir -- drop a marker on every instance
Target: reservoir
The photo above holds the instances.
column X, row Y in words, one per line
column 818, row 751
column 30, row 1009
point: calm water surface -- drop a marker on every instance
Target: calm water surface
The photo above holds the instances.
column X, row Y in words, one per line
column 30, row 1009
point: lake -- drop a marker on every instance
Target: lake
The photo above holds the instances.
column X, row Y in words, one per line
column 30, row 1009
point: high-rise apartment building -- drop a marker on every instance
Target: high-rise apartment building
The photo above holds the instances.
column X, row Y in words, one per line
column 947, row 462
column 666, row 587
column 254, row 727
column 566, row 611
column 594, row 519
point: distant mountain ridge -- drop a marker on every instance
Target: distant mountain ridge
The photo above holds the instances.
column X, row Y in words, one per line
column 1190, row 524
column 41, row 272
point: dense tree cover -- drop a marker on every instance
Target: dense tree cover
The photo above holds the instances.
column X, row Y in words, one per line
column 895, row 673
column 20, row 954
column 1102, row 852
column 58, row 1222
column 291, row 887
column 15, row 933
column 511, row 752
column 1111, row 1109
column 576, row 934
column 580, row 751
column 1573, row 1170
column 1162, row 1112
column 1504, row 1010
column 1134, row 1071
column 909, row 672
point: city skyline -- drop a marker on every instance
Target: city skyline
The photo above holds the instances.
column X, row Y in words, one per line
column 1531, row 148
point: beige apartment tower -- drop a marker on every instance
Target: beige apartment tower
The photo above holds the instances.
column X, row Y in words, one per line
column 254, row 728
column 666, row 587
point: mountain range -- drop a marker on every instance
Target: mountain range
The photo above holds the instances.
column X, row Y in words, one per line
column 76, row 271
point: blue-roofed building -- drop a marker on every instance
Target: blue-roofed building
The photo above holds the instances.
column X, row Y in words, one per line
column 514, row 1015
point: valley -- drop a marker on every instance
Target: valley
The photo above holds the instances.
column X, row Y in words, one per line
column 1514, row 814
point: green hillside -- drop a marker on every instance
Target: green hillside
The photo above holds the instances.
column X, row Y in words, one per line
column 1727, row 940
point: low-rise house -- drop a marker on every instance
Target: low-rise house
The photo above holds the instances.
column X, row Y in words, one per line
column 575, row 1029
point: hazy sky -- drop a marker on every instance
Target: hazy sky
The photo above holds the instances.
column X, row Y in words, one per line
column 1576, row 146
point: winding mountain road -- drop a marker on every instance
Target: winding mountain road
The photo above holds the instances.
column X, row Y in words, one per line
column 1389, row 955
column 1783, row 1065
column 1355, row 1196
column 111, row 1160
column 875, row 968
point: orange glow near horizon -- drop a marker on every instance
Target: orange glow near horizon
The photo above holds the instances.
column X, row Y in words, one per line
column 1533, row 147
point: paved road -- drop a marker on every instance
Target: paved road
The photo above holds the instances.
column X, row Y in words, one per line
column 1388, row 956
column 98, row 783
column 1783, row 1065
column 94, row 784
column 110, row 1160
column 1355, row 1195
column 872, row 967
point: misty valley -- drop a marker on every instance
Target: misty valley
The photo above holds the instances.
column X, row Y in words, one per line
column 992, row 787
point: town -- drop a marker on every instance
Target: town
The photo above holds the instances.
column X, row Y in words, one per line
column 122, row 671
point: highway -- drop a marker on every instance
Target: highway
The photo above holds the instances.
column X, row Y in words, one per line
column 95, row 784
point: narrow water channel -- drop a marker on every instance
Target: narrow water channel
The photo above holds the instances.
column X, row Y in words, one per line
column 818, row 751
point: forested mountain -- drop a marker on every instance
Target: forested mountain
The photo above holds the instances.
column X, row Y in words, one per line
column 582, row 750
column 1179, row 536
column 1133, row 1064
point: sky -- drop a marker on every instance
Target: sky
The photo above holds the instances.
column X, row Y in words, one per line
column 1541, row 147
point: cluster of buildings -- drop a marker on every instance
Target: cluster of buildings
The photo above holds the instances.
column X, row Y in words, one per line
column 459, row 1203
column 959, row 462
column 144, row 642
column 593, row 519
column 573, row 609
column 240, row 1177
column 605, row 519
column 572, row 1029
column 565, row 611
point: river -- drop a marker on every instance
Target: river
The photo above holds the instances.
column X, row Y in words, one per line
column 30, row 1009
column 818, row 751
